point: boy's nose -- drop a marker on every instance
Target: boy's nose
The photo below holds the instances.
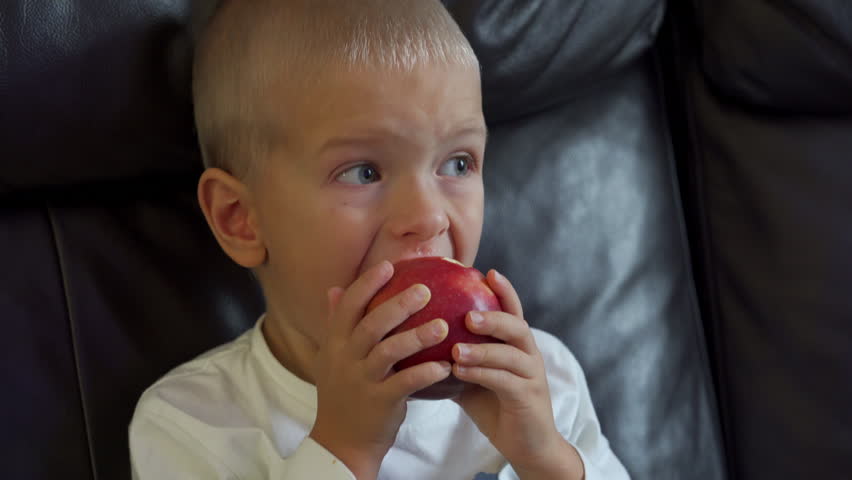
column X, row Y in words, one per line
column 418, row 213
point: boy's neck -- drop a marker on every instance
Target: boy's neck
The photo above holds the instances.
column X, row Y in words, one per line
column 292, row 350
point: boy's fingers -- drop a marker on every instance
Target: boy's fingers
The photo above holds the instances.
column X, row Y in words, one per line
column 350, row 308
column 502, row 382
column 403, row 345
column 406, row 382
column 505, row 292
column 384, row 318
column 504, row 326
column 334, row 294
column 495, row 355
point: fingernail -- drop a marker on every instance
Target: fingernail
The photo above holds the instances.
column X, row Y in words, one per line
column 419, row 292
column 476, row 318
column 439, row 328
column 461, row 370
column 464, row 351
column 446, row 367
column 384, row 268
column 499, row 276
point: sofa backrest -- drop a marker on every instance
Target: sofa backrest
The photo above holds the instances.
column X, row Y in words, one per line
column 764, row 143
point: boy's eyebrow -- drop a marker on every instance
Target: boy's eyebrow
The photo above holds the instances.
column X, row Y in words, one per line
column 372, row 135
column 477, row 129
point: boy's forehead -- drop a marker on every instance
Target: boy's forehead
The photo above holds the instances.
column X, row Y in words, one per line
column 350, row 100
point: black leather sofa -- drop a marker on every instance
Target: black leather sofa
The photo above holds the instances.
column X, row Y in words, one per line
column 669, row 187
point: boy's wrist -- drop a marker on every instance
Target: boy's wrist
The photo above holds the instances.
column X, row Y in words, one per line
column 362, row 464
column 562, row 463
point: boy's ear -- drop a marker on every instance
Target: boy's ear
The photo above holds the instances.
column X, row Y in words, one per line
column 230, row 213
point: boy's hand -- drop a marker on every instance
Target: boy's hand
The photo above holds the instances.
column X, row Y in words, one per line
column 360, row 399
column 509, row 400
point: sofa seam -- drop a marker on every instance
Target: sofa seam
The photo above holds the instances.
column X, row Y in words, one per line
column 709, row 257
column 60, row 258
column 683, row 94
column 686, row 261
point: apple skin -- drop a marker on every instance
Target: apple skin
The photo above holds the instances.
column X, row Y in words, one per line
column 456, row 290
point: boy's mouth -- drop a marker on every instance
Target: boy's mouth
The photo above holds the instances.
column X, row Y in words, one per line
column 422, row 251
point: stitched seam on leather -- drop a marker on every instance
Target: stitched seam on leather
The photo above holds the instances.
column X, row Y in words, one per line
column 711, row 280
column 686, row 260
column 71, row 326
column 690, row 66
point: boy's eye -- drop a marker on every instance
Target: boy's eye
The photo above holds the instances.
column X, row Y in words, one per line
column 458, row 166
column 359, row 175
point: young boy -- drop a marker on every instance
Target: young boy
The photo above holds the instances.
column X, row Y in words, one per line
column 342, row 136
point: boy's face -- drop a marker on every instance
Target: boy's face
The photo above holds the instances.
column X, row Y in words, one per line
column 372, row 166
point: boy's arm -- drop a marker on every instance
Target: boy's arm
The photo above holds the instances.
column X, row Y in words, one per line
column 165, row 447
column 574, row 412
column 530, row 398
column 575, row 419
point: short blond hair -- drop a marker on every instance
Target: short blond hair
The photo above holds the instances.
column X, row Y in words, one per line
column 250, row 44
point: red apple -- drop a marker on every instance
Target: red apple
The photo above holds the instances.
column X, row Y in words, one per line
column 456, row 290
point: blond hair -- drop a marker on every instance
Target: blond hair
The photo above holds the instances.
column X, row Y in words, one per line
column 249, row 45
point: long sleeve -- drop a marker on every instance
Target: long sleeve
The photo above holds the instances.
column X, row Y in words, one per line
column 164, row 448
column 574, row 413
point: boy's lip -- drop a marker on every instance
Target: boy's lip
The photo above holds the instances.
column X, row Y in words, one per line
column 409, row 257
column 417, row 253
column 420, row 251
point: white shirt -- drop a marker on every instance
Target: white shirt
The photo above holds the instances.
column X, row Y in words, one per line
column 236, row 413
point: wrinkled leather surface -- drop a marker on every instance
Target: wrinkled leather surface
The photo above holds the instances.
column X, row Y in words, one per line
column 582, row 216
column 538, row 53
column 43, row 417
column 778, row 200
column 788, row 56
column 88, row 92
column 767, row 96
column 142, row 287
column 148, row 289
